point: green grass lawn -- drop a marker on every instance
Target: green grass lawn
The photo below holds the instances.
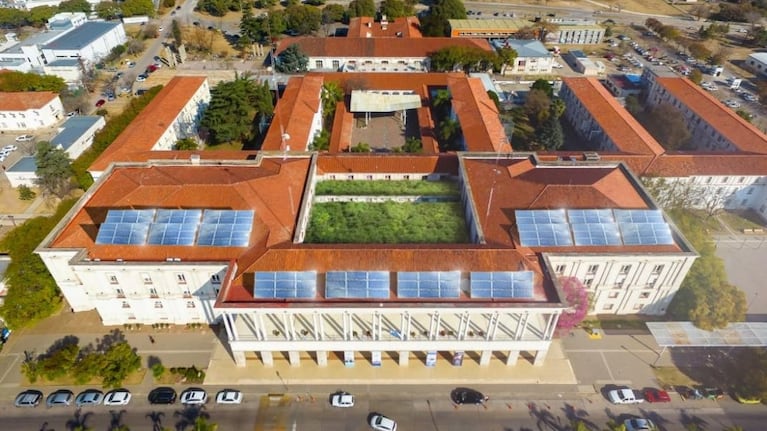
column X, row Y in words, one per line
column 387, row 188
column 386, row 223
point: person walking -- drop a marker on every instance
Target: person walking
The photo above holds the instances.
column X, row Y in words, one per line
column 151, row 339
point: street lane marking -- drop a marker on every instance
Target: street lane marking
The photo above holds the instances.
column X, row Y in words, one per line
column 604, row 361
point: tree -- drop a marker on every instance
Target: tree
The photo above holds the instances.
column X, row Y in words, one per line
column 333, row 13
column 332, row 93
column 138, row 7
column 175, row 30
column 22, row 81
column 54, row 169
column 12, row 17
column 435, row 23
column 107, row 10
column 537, row 107
column 39, row 15
column 543, row 85
column 696, row 76
column 75, row 6
column 186, row 144
column 749, row 372
column 449, row 132
column 291, row 60
column 412, row 145
column 550, row 135
column 361, row 147
column 232, row 109
column 396, row 8
column 577, row 300
column 303, row 19
column 507, row 57
column 699, row 51
column 120, row 360
column 25, row 193
column 202, row 424
column 633, row 105
column 321, row 142
column 358, row 8
column 745, row 115
column 668, row 126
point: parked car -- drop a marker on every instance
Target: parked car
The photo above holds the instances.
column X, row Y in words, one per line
column 623, row 396
column 746, row 399
column 62, row 397
column 750, row 97
column 713, row 393
column 229, row 396
column 141, row 78
column 162, row 395
column 467, row 396
column 380, row 422
column 117, row 397
column 131, row 64
column 71, row 114
column 90, row 397
column 28, row 398
column 732, row 103
column 689, row 393
column 100, row 103
column 25, row 138
column 9, row 149
column 151, row 68
column 652, row 395
column 639, row 424
column 194, row 396
column 341, row 399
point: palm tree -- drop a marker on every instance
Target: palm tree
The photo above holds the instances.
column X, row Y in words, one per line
column 202, row 424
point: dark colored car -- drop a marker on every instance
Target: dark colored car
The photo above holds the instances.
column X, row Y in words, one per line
column 689, row 393
column 100, row 103
column 467, row 396
column 162, row 395
column 713, row 393
column 151, row 68
column 653, row 395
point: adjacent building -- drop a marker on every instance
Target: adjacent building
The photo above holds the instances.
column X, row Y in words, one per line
column 29, row 110
column 88, row 42
column 533, row 57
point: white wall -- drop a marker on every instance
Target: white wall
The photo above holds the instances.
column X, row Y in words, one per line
column 21, row 178
column 93, row 51
column 32, row 119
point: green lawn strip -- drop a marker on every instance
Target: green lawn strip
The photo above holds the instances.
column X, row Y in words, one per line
column 387, row 188
column 133, row 379
column 386, row 223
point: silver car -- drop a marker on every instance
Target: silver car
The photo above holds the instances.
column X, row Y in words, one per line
column 28, row 398
column 62, row 397
column 90, row 397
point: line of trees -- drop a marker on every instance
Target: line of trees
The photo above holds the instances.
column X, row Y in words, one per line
column 38, row 16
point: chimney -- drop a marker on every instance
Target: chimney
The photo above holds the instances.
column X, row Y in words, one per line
column 195, row 159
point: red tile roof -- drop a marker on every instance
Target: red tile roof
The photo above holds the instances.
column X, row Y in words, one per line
column 147, row 128
column 499, row 186
column 399, row 27
column 386, row 163
column 25, row 100
column 344, row 47
column 480, row 124
column 273, row 190
column 688, row 164
column 627, row 134
column 294, row 112
column 744, row 135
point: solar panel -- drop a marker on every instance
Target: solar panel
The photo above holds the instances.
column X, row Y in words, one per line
column 646, row 234
column 596, row 234
column 225, row 228
column 130, row 216
column 590, row 216
column 172, row 233
column 516, row 285
column 122, row 233
column 540, row 216
column 537, row 235
column 357, row 284
column 285, row 284
column 438, row 284
column 639, row 216
column 178, row 216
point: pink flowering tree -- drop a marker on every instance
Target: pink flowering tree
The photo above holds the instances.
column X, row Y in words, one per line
column 577, row 301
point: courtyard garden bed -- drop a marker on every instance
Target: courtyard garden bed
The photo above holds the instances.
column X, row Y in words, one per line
column 386, row 223
column 387, row 188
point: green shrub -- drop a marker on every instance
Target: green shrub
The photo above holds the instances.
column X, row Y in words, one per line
column 25, row 193
column 158, row 370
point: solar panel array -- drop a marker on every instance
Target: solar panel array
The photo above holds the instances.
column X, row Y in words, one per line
column 285, row 284
column 225, row 228
column 517, row 285
column 595, row 227
column 438, row 284
column 357, row 284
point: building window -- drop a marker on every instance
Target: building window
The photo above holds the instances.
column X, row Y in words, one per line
column 120, row 293
column 644, row 295
column 625, row 269
column 607, row 307
column 588, row 282
column 318, row 64
column 158, row 304
column 657, row 269
column 613, row 295
column 112, row 279
column 336, row 64
column 750, row 191
column 180, row 278
column 561, row 269
column 187, row 293
column 146, row 278
column 125, row 304
column 215, row 279
column 651, row 284
column 593, row 269
column 190, row 304
column 618, row 284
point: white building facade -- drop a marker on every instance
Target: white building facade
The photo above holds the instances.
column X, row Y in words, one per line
column 89, row 42
column 29, row 111
column 187, row 121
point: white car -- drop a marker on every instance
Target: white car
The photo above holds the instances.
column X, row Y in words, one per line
column 9, row 148
column 639, row 424
column 117, row 397
column 382, row 423
column 25, row 138
column 732, row 103
column 341, row 399
column 229, row 396
column 623, row 396
column 194, row 396
column 750, row 97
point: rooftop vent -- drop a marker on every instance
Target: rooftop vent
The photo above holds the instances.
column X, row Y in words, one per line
column 591, row 157
column 195, row 159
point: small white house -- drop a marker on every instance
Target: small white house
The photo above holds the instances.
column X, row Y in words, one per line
column 22, row 173
column 76, row 134
column 532, row 57
column 29, row 110
column 757, row 62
